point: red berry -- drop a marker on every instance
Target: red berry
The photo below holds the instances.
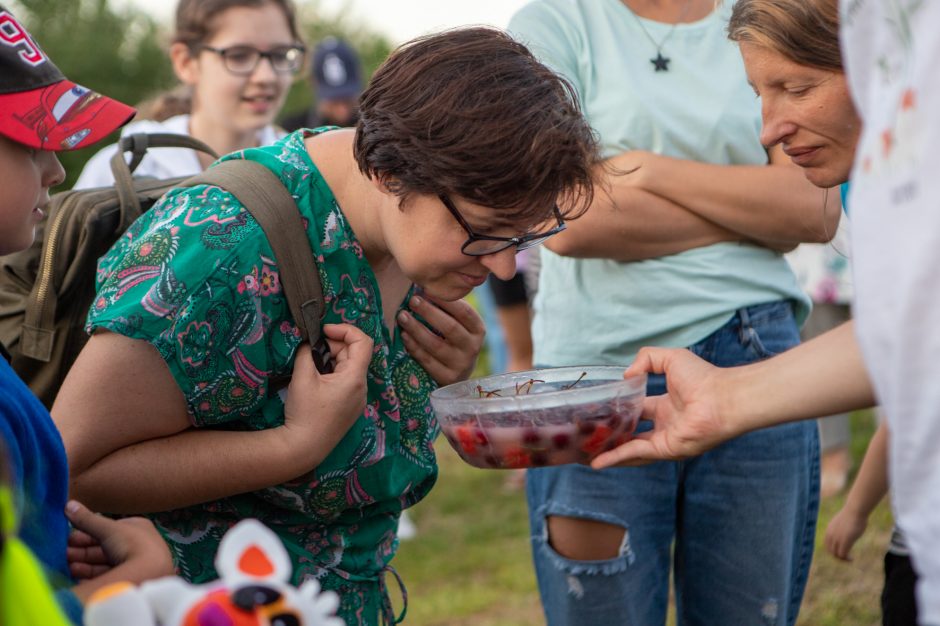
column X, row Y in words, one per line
column 491, row 460
column 561, row 440
column 516, row 457
column 466, row 439
column 585, row 427
column 595, row 444
column 531, row 437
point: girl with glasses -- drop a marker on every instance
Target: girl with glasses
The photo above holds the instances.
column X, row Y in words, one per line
column 236, row 60
column 174, row 407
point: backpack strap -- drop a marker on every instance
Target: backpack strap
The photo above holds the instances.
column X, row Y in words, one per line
column 263, row 194
column 138, row 144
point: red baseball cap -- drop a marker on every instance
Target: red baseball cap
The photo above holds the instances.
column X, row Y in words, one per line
column 39, row 107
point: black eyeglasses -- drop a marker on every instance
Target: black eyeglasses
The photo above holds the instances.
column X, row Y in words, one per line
column 482, row 245
column 242, row 60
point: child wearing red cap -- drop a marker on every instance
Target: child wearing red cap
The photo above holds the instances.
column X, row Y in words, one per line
column 41, row 112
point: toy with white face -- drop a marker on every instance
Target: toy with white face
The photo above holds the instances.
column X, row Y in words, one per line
column 253, row 591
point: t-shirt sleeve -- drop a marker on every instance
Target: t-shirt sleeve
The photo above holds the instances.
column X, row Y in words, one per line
column 551, row 34
column 196, row 278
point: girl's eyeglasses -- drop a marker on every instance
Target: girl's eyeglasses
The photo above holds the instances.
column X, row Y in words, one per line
column 242, row 60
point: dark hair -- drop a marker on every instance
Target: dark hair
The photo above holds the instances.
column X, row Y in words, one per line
column 194, row 17
column 470, row 112
column 804, row 31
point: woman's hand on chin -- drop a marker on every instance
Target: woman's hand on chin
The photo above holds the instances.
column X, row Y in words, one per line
column 448, row 350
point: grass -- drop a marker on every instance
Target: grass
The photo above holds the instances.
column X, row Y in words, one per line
column 470, row 563
column 848, row 594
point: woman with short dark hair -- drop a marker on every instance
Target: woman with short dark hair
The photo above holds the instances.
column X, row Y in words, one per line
column 466, row 149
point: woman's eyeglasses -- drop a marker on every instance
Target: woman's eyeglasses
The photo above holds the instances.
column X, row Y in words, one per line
column 482, row 245
column 242, row 60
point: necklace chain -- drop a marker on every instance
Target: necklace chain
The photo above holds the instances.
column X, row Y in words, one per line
column 660, row 63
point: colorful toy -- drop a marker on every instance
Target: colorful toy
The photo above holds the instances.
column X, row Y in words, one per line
column 253, row 591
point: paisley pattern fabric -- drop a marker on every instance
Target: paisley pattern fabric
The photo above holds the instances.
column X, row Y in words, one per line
column 196, row 278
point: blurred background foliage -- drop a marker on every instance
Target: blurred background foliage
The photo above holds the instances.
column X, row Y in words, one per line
column 121, row 51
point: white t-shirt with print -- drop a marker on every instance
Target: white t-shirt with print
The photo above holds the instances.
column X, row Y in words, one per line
column 892, row 57
column 159, row 162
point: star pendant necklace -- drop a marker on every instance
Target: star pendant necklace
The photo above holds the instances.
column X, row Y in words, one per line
column 660, row 63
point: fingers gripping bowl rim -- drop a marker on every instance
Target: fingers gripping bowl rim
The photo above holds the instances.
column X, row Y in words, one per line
column 542, row 417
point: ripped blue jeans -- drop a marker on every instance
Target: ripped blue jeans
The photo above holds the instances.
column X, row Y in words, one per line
column 737, row 524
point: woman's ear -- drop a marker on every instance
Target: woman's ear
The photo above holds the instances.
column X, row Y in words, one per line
column 389, row 186
column 185, row 64
column 383, row 182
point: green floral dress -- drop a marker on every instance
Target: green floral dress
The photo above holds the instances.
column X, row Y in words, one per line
column 196, row 278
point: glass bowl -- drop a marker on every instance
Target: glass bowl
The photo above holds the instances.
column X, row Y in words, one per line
column 541, row 417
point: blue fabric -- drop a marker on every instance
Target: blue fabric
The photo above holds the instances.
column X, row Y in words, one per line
column 743, row 516
column 70, row 605
column 844, row 192
column 496, row 352
column 39, row 473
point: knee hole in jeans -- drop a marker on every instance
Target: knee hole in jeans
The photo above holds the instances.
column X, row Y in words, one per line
column 583, row 539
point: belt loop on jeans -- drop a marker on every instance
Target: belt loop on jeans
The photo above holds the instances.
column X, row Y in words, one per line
column 388, row 613
column 745, row 328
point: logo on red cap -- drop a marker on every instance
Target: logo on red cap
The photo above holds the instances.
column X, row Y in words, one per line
column 15, row 36
column 39, row 107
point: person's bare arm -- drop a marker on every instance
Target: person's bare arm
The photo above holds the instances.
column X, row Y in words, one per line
column 131, row 447
column 828, row 372
column 871, row 484
column 626, row 223
column 869, row 488
column 773, row 205
column 707, row 405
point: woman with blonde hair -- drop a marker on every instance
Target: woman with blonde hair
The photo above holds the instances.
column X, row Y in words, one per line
column 794, row 61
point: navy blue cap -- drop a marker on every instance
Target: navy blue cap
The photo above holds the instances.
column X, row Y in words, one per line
column 336, row 71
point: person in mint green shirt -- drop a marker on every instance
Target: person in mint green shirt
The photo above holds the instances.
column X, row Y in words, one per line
column 682, row 248
column 175, row 404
